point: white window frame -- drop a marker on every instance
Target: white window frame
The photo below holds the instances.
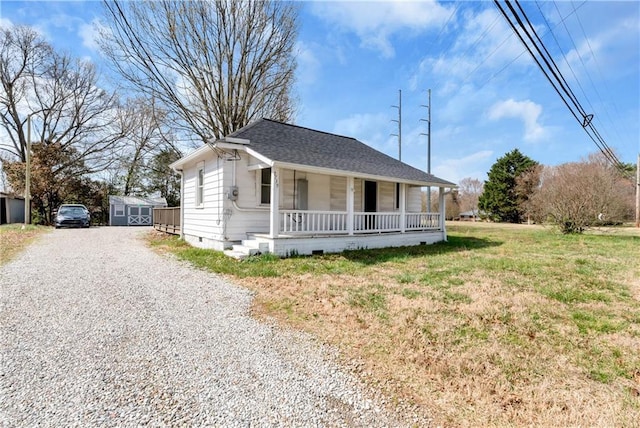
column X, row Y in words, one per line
column 118, row 210
column 263, row 186
column 200, row 185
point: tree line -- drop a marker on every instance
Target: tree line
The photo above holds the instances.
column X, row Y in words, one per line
column 573, row 196
column 187, row 72
column 192, row 72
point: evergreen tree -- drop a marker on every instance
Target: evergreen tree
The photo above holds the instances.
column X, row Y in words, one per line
column 500, row 200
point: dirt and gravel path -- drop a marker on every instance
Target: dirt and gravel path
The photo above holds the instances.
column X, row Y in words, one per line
column 97, row 330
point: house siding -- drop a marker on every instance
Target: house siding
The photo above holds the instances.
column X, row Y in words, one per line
column 358, row 194
column 386, row 196
column 414, row 199
column 338, row 192
column 115, row 220
column 246, row 215
column 204, row 221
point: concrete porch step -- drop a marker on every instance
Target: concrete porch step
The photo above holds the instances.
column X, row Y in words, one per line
column 251, row 243
column 244, row 250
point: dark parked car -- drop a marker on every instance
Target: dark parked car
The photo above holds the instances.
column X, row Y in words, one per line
column 72, row 215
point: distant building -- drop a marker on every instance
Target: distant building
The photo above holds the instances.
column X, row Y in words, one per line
column 11, row 208
column 133, row 210
column 473, row 215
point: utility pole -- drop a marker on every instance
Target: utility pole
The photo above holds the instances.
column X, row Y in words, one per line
column 27, row 179
column 638, row 192
column 428, row 120
column 399, row 122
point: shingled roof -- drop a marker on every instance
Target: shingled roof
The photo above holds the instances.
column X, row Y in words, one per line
column 282, row 142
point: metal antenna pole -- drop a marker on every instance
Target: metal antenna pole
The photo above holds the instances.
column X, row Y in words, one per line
column 399, row 122
column 428, row 134
column 638, row 192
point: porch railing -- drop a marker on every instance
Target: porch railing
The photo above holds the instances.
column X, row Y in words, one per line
column 420, row 221
column 167, row 220
column 294, row 221
column 335, row 222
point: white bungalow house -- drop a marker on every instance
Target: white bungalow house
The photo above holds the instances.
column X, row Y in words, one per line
column 286, row 189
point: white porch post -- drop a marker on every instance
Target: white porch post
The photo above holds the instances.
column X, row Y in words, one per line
column 350, row 199
column 403, row 207
column 442, row 212
column 274, row 210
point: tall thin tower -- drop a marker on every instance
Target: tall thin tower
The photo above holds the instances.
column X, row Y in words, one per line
column 399, row 122
column 428, row 134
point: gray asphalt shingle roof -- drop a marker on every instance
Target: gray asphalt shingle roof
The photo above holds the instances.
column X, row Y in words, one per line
column 137, row 200
column 283, row 142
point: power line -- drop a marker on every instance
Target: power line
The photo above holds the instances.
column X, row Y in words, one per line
column 554, row 75
column 604, row 81
column 562, row 19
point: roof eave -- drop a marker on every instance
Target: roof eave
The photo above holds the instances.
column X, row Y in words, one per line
column 196, row 154
column 332, row 171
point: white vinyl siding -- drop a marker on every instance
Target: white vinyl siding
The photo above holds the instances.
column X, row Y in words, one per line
column 200, row 186
column 358, row 183
column 338, row 193
column 386, row 196
column 414, row 199
column 287, row 190
column 205, row 220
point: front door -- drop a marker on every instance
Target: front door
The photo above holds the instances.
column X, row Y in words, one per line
column 370, row 203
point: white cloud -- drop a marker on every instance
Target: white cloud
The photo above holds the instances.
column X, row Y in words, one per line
column 474, row 165
column 5, row 23
column 375, row 22
column 372, row 129
column 89, row 34
column 527, row 111
column 308, row 63
column 482, row 46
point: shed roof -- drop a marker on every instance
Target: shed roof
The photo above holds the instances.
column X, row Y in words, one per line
column 136, row 200
column 282, row 142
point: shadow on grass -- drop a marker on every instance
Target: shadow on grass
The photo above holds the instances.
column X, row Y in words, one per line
column 454, row 244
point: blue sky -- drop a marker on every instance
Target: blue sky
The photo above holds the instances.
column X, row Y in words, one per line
column 488, row 97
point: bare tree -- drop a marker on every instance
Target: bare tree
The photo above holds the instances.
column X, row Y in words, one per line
column 469, row 190
column 214, row 65
column 145, row 135
column 23, row 59
column 578, row 195
column 63, row 98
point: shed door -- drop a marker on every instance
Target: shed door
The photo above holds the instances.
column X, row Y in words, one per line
column 139, row 216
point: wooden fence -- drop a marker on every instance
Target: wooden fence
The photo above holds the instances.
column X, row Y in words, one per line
column 167, row 220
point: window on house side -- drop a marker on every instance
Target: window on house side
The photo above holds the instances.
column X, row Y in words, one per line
column 265, row 186
column 200, row 187
column 118, row 210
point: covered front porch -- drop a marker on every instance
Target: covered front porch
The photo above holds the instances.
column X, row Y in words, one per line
column 375, row 214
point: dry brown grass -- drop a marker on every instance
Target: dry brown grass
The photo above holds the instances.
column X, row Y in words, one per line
column 503, row 326
column 13, row 239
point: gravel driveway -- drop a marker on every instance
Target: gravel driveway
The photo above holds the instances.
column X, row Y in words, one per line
column 97, row 330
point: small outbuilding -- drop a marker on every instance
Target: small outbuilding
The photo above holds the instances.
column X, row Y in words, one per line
column 472, row 215
column 11, row 208
column 133, row 210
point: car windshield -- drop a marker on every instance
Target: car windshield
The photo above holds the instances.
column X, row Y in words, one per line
column 71, row 211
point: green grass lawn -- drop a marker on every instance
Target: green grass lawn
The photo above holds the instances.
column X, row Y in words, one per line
column 502, row 325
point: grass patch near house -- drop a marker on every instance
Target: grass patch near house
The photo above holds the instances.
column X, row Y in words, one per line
column 504, row 325
column 14, row 239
